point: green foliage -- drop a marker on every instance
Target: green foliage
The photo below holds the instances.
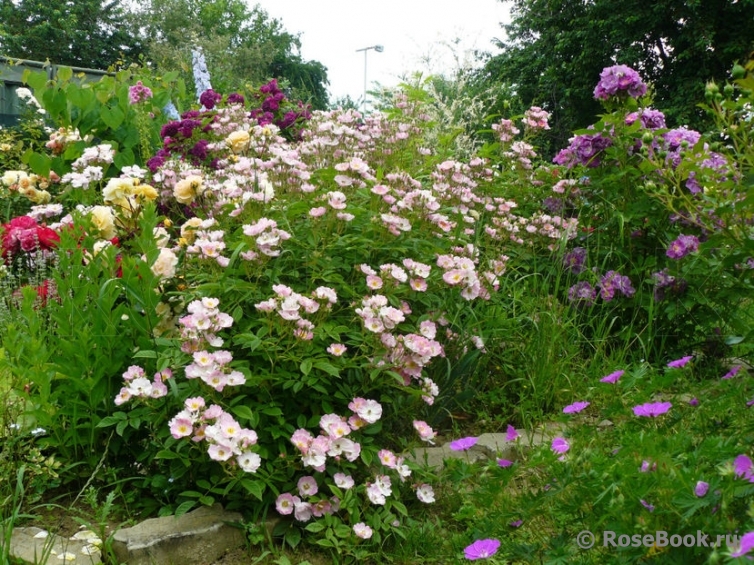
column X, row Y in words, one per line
column 555, row 51
column 93, row 34
column 242, row 45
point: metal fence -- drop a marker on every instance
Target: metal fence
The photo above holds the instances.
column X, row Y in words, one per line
column 11, row 79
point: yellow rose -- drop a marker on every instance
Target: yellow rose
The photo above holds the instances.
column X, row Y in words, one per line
column 188, row 229
column 37, row 196
column 186, row 190
column 104, row 220
column 145, row 191
column 238, row 141
column 11, row 178
column 165, row 264
column 118, row 190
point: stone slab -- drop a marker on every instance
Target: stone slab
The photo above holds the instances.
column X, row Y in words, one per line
column 37, row 547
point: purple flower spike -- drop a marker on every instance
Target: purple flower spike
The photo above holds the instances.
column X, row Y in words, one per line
column 575, row 408
column 481, row 549
column 463, row 444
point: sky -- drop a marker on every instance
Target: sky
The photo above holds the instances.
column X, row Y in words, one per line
column 431, row 36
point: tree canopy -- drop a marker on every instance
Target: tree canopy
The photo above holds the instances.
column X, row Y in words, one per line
column 555, row 50
column 81, row 33
column 241, row 44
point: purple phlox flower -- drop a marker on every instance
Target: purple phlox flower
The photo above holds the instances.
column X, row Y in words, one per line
column 613, row 281
column 511, row 434
column 649, row 117
column 745, row 546
column 678, row 363
column 613, row 377
column 481, row 549
column 584, row 149
column 516, row 523
column 733, row 372
column 209, row 98
column 504, row 463
column 682, row 246
column 560, row 445
column 463, row 444
column 619, row 80
column 574, row 260
column 647, row 505
column 582, row 293
column 575, row 408
column 701, row 488
column 652, row 409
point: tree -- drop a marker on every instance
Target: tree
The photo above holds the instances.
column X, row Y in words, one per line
column 82, row 33
column 241, row 45
column 556, row 49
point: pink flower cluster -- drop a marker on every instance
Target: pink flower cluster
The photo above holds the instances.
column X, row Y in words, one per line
column 89, row 167
column 461, row 271
column 332, row 440
column 536, row 118
column 200, row 325
column 139, row 93
column 139, row 386
column 226, row 437
column 505, row 130
column 376, row 315
column 303, row 510
column 289, row 305
column 267, row 238
column 208, row 243
column 213, row 369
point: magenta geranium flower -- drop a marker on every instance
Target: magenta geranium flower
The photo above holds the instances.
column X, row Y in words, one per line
column 511, row 434
column 560, row 445
column 575, row 407
column 516, row 523
column 746, row 545
column 701, row 488
column 482, row 549
column 463, row 444
column 504, row 463
column 742, row 466
column 612, row 378
column 652, row 409
column 680, row 362
column 732, row 373
column 647, row 505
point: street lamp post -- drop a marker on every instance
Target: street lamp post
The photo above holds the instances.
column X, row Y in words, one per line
column 378, row 49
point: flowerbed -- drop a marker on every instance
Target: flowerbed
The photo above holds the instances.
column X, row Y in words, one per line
column 268, row 307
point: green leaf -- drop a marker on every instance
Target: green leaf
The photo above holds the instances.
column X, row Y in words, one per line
column 120, row 428
column 184, row 507
column 327, row 368
column 342, row 531
column 206, row 500
column 146, row 353
column 254, row 488
column 306, row 366
column 64, row 73
column 37, row 79
column 40, row 164
column 243, row 412
column 325, row 543
column 165, row 454
column 315, row 527
column 112, row 117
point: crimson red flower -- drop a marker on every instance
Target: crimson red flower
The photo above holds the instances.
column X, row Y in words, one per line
column 24, row 234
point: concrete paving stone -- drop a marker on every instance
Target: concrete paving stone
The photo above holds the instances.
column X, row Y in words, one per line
column 195, row 538
column 37, row 547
